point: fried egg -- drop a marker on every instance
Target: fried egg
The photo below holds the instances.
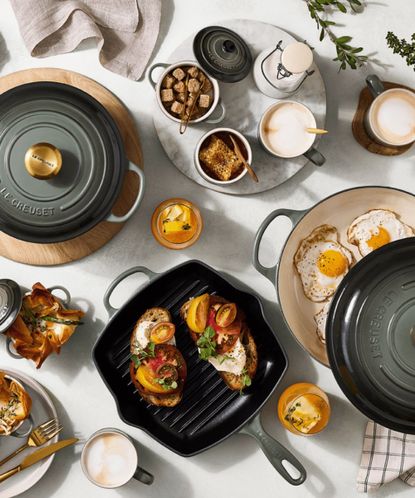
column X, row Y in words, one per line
column 233, row 361
column 375, row 229
column 322, row 262
column 321, row 318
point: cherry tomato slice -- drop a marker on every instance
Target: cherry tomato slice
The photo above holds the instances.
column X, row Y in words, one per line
column 162, row 332
column 226, row 315
column 227, row 342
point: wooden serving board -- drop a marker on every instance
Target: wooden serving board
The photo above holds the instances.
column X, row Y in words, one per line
column 89, row 242
column 358, row 125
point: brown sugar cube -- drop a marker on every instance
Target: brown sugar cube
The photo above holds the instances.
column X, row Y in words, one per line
column 180, row 87
column 177, row 107
column 181, row 97
column 206, row 85
column 190, row 100
column 193, row 71
column 178, row 73
column 194, row 85
column 204, row 101
column 167, row 95
column 168, row 81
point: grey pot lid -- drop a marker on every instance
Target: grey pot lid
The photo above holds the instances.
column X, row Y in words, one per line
column 42, row 124
column 10, row 303
column 370, row 335
column 222, row 53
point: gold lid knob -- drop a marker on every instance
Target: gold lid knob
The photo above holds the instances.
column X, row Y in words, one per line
column 43, row 161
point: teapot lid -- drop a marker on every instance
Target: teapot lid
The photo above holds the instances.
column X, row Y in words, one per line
column 10, row 303
column 222, row 53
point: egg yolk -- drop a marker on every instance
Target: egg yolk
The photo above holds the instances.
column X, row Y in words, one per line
column 332, row 263
column 379, row 239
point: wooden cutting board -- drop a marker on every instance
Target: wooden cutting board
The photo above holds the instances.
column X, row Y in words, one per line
column 89, row 242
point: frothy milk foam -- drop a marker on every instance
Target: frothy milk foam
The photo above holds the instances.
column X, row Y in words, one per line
column 284, row 129
column 110, row 459
column 393, row 117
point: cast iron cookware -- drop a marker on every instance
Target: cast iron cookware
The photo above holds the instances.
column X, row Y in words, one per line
column 209, row 412
column 338, row 210
column 370, row 334
column 63, row 163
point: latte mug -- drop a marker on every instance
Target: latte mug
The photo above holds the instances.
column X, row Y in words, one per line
column 109, row 459
column 283, row 133
column 390, row 119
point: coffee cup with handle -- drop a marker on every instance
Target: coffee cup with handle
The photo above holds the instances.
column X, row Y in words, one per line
column 390, row 119
column 109, row 459
column 283, row 133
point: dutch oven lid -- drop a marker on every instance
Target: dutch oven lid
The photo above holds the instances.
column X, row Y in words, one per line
column 371, row 335
column 61, row 161
column 10, row 303
column 222, row 53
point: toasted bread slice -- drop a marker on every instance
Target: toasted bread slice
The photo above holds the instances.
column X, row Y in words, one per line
column 155, row 315
column 234, row 382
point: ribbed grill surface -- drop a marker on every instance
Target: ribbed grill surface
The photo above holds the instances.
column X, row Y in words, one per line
column 195, row 410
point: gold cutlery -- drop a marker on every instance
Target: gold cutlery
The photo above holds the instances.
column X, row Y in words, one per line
column 36, row 456
column 39, row 436
column 241, row 158
column 316, row 131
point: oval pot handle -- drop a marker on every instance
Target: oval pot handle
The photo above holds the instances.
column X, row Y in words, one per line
column 151, row 70
column 121, row 219
column 67, row 299
column 275, row 452
column 9, row 345
column 136, row 269
column 219, row 118
column 295, row 216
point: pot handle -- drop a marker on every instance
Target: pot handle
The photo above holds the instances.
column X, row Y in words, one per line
column 67, row 299
column 135, row 269
column 121, row 219
column 275, row 451
column 151, row 70
column 295, row 217
column 221, row 116
column 9, row 349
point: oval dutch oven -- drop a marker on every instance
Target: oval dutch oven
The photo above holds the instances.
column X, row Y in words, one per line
column 63, row 163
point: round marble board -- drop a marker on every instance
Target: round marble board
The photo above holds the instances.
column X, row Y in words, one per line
column 244, row 105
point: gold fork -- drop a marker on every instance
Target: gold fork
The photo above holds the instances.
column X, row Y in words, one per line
column 39, row 436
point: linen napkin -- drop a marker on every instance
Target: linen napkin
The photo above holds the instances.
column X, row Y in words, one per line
column 386, row 455
column 126, row 30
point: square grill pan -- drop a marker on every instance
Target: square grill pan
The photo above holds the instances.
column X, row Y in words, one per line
column 209, row 411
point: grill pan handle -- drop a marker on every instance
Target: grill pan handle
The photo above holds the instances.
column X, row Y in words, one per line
column 295, row 216
column 121, row 219
column 275, row 452
column 135, row 269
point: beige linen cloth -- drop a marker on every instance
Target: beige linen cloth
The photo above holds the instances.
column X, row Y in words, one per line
column 386, row 455
column 126, row 30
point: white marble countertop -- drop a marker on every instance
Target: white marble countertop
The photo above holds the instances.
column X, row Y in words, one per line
column 236, row 468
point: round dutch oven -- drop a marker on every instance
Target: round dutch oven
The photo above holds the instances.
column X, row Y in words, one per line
column 63, row 163
column 338, row 210
column 370, row 329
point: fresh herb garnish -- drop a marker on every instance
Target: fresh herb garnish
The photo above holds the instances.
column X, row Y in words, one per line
column 224, row 357
column 140, row 354
column 207, row 344
column 402, row 47
column 60, row 320
column 246, row 380
column 167, row 383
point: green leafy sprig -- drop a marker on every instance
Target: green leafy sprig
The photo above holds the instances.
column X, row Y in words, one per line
column 142, row 354
column 402, row 47
column 347, row 55
column 207, row 344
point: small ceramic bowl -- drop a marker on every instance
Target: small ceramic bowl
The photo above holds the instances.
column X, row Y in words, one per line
column 236, row 134
column 168, row 68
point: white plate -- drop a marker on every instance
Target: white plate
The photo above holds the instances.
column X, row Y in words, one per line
column 42, row 410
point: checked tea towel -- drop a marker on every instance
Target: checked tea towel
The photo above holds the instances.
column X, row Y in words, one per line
column 386, row 455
